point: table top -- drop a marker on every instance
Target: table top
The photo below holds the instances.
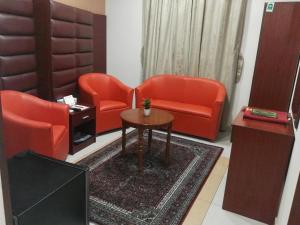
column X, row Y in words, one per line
column 157, row 117
column 264, row 126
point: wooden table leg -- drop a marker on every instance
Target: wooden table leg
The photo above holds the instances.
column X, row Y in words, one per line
column 123, row 137
column 141, row 150
column 167, row 156
column 149, row 139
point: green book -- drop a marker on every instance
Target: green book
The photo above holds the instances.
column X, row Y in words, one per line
column 265, row 113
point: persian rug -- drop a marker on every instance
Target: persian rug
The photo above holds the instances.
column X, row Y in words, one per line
column 119, row 194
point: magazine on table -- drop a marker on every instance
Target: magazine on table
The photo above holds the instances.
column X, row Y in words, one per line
column 79, row 107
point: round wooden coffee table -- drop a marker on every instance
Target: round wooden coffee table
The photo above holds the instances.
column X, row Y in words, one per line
column 158, row 119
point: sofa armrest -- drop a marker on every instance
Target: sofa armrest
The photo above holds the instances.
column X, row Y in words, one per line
column 218, row 106
column 141, row 92
column 221, row 96
column 87, row 94
column 58, row 114
column 122, row 92
column 21, row 134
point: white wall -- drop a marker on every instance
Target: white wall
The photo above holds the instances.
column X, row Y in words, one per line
column 254, row 15
column 124, row 40
column 2, row 215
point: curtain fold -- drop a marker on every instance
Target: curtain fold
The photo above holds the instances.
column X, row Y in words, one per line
column 200, row 38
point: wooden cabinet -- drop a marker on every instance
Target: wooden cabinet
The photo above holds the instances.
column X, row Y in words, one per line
column 82, row 129
column 258, row 165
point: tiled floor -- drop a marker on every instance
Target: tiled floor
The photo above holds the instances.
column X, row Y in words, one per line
column 207, row 208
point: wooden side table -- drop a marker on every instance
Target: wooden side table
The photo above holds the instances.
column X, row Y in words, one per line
column 158, row 119
column 82, row 129
column 258, row 165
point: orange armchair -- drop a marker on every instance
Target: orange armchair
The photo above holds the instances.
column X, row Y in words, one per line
column 196, row 103
column 109, row 95
column 32, row 123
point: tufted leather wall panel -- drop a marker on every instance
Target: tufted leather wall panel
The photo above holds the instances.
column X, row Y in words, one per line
column 61, row 78
column 63, row 35
column 18, row 48
column 63, row 45
column 26, row 44
column 66, row 40
column 63, row 12
column 46, row 45
column 21, row 8
column 84, row 36
column 84, row 45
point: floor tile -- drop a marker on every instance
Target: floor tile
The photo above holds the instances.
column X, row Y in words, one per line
column 217, row 216
column 197, row 213
column 101, row 141
column 210, row 188
column 221, row 167
column 218, row 199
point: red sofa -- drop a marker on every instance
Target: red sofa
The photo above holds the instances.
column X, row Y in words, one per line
column 196, row 103
column 32, row 123
column 109, row 95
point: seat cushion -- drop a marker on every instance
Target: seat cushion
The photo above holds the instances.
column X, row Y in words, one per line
column 183, row 107
column 58, row 131
column 106, row 105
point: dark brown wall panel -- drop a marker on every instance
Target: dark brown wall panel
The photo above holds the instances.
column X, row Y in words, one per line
column 85, row 39
column 100, row 43
column 64, row 27
column 26, row 44
column 277, row 57
column 46, row 45
column 17, row 47
column 43, row 43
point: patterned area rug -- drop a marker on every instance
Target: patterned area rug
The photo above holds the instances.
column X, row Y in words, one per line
column 162, row 195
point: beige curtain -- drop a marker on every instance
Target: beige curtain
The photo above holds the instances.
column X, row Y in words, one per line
column 200, row 38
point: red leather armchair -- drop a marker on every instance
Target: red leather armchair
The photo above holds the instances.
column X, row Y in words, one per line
column 109, row 95
column 196, row 103
column 35, row 124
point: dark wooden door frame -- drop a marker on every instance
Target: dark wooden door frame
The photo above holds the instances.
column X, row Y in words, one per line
column 4, row 177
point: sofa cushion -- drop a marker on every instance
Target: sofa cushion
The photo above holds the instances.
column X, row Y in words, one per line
column 183, row 107
column 106, row 105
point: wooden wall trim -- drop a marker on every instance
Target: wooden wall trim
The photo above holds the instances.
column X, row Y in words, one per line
column 99, row 43
column 42, row 14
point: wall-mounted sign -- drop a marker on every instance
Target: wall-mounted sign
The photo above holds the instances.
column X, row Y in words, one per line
column 270, row 6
